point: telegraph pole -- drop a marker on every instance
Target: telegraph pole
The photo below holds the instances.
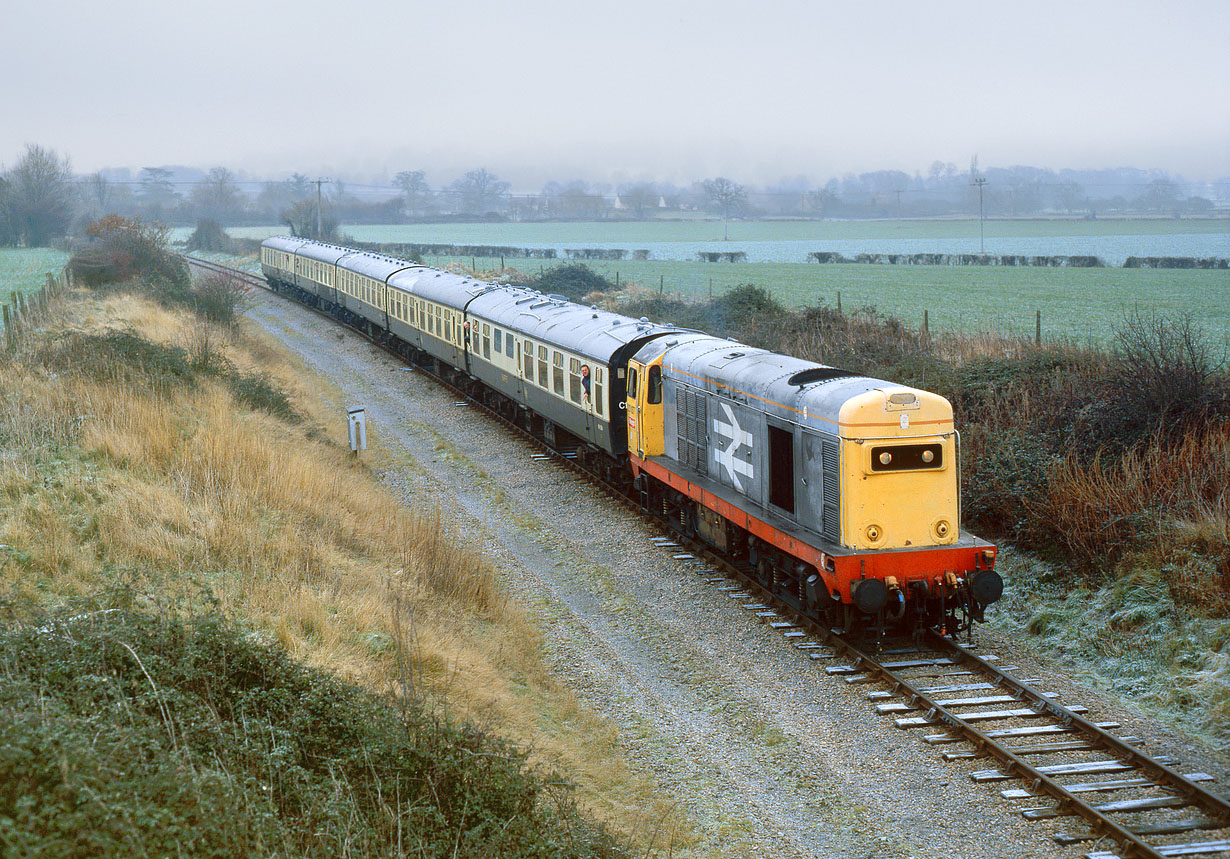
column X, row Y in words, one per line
column 319, row 227
column 980, row 181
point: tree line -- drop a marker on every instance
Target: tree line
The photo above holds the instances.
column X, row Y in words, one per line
column 41, row 199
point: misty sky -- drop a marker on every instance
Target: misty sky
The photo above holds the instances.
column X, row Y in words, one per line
column 618, row 91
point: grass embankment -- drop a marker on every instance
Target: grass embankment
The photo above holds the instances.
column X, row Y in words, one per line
column 1109, row 466
column 149, row 454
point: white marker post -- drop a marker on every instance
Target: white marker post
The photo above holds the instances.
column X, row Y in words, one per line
column 356, row 419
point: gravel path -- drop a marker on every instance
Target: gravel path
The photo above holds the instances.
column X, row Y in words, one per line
column 766, row 756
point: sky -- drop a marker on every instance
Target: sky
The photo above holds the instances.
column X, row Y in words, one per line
column 667, row 90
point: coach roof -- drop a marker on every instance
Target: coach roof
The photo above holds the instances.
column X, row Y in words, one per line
column 441, row 287
column 586, row 331
column 374, row 265
column 286, row 244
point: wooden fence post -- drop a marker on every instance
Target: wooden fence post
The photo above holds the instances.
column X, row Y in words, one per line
column 1038, row 328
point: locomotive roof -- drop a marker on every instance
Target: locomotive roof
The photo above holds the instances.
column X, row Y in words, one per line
column 587, row 331
column 790, row 388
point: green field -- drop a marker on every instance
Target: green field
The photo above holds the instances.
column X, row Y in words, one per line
column 26, row 269
column 1075, row 303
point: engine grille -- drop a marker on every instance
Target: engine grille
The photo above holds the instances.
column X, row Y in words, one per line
column 691, row 410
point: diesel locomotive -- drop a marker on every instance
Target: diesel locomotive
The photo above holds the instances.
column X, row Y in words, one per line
column 838, row 492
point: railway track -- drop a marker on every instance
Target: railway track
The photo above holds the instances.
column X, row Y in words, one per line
column 1061, row 763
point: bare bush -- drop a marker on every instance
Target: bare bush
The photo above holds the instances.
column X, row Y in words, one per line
column 1165, row 375
column 220, row 297
column 125, row 248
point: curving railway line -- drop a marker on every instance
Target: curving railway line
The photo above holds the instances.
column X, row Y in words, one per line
column 1061, row 763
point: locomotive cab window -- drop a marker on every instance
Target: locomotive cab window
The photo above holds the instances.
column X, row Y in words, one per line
column 654, row 394
column 907, row 457
column 632, row 379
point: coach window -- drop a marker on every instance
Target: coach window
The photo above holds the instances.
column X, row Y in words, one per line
column 499, row 343
column 508, row 345
column 529, row 360
column 574, row 380
column 654, row 394
column 599, row 379
column 558, row 361
column 542, row 367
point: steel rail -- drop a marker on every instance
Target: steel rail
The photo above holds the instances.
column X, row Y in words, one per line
column 1196, row 795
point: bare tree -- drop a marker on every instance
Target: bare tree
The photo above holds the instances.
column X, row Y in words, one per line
column 574, row 200
column 217, row 196
column 727, row 196
column 96, row 194
column 416, row 193
column 157, row 193
column 39, row 198
column 639, row 198
column 8, row 228
column 480, row 191
column 301, row 218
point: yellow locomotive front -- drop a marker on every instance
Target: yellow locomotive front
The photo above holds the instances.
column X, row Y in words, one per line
column 899, row 470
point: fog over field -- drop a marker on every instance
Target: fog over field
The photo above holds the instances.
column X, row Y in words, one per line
column 640, row 90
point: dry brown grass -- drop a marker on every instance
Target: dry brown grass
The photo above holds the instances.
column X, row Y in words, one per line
column 1170, row 495
column 171, row 491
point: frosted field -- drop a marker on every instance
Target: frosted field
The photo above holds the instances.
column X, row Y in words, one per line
column 26, row 269
column 792, row 241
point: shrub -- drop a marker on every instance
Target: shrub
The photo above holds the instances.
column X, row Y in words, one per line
column 574, row 282
column 221, row 296
column 209, row 236
column 122, row 732
column 122, row 357
column 1164, row 380
column 125, row 248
